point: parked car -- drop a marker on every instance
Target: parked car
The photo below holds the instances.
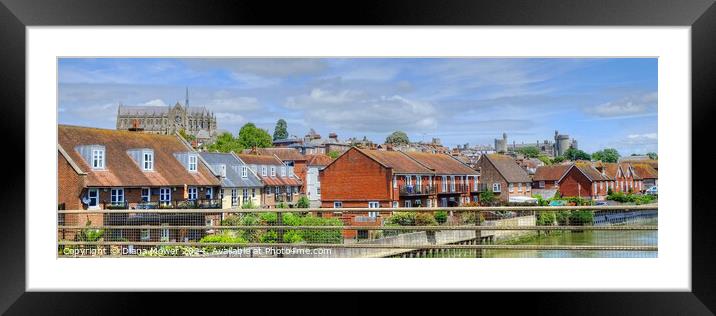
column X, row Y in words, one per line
column 601, row 203
column 652, row 191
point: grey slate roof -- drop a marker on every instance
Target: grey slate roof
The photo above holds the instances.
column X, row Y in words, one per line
column 233, row 164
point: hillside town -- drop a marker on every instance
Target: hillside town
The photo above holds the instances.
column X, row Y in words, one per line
column 176, row 159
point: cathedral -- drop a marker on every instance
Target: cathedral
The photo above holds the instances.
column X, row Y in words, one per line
column 196, row 121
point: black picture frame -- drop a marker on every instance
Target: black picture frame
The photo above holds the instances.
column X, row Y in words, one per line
column 16, row 15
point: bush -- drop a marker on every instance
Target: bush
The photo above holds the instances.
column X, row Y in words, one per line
column 441, row 217
column 425, row 219
column 546, row 218
column 249, row 205
column 578, row 201
column 303, row 202
column 630, row 198
column 224, row 238
column 487, row 197
column 470, row 217
column 581, row 217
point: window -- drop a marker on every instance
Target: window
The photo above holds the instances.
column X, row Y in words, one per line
column 541, row 184
column 395, row 182
column 273, row 171
column 146, row 194
column 92, row 198
column 444, row 183
column 253, row 193
column 117, row 196
column 263, row 171
column 192, row 163
column 268, row 190
column 283, row 171
column 245, row 195
column 373, row 205
column 396, row 204
column 496, row 187
column 452, row 183
column 290, row 172
column 165, row 195
column 209, row 193
column 430, row 203
column 98, row 158
column 145, row 235
column 318, row 190
column 511, row 187
column 234, row 197
column 337, row 204
column 244, row 172
column 519, row 187
column 529, row 187
column 408, row 203
column 165, row 235
column 192, row 193
column 148, row 161
column 418, row 181
column 474, row 183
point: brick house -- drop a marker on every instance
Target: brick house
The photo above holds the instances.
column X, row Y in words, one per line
column 649, row 175
column 582, row 179
column 110, row 169
column 623, row 176
column 281, row 184
column 547, row 177
column 502, row 175
column 392, row 179
column 239, row 183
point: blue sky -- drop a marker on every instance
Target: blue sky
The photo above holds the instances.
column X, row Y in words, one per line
column 600, row 102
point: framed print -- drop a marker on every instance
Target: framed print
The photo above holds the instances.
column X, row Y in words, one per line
column 411, row 147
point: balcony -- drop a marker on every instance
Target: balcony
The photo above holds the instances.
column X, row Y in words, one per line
column 177, row 204
column 409, row 190
column 464, row 188
column 481, row 187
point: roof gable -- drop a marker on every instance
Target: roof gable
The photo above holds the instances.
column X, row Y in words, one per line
column 508, row 168
column 441, row 163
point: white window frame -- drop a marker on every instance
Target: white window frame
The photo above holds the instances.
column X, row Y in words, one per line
column 273, row 171
column 263, row 171
column 283, row 172
column 337, row 204
column 209, row 192
column 452, row 183
column 528, row 187
column 395, row 182
column 165, row 194
column 373, row 204
column 510, row 187
column 192, row 193
column 244, row 172
column 245, row 194
column 145, row 235
column 98, row 158
column 474, row 183
column 444, row 186
column 430, row 203
column 496, row 187
column 164, row 235
column 93, row 201
column 116, row 196
column 396, row 204
column 408, row 203
column 148, row 160
column 234, row 196
column 519, row 187
column 146, row 197
column 192, row 163
column 541, row 184
column 418, row 181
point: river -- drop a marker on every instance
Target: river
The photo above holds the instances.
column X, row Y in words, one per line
column 595, row 238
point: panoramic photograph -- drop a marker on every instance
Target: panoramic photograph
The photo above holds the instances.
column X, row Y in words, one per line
column 342, row 157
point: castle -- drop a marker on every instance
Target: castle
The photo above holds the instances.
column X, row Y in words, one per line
column 196, row 121
column 550, row 148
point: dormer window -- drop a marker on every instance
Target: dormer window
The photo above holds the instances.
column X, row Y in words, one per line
column 283, row 171
column 148, row 160
column 244, row 172
column 263, row 171
column 192, row 165
column 273, row 171
column 98, row 158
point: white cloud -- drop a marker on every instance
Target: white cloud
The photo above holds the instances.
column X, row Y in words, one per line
column 267, row 67
column 628, row 106
column 155, row 102
column 359, row 111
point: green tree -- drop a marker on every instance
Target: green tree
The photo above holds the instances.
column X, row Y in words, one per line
column 303, row 202
column 576, row 154
column 557, row 159
column 544, row 159
column 251, row 136
column 333, row 154
column 397, row 138
column 226, row 143
column 606, row 155
column 281, row 130
column 487, row 197
column 529, row 151
column 653, row 155
column 188, row 137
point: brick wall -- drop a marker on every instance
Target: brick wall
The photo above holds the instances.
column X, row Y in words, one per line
column 575, row 183
column 489, row 175
column 69, row 184
column 353, row 177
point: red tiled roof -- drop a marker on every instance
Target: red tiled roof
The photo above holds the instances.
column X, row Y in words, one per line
column 508, row 168
column 399, row 161
column 442, row 163
column 121, row 170
column 280, row 181
column 645, row 171
column 290, row 154
column 254, row 159
column 318, row 160
column 592, row 173
column 550, row 173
